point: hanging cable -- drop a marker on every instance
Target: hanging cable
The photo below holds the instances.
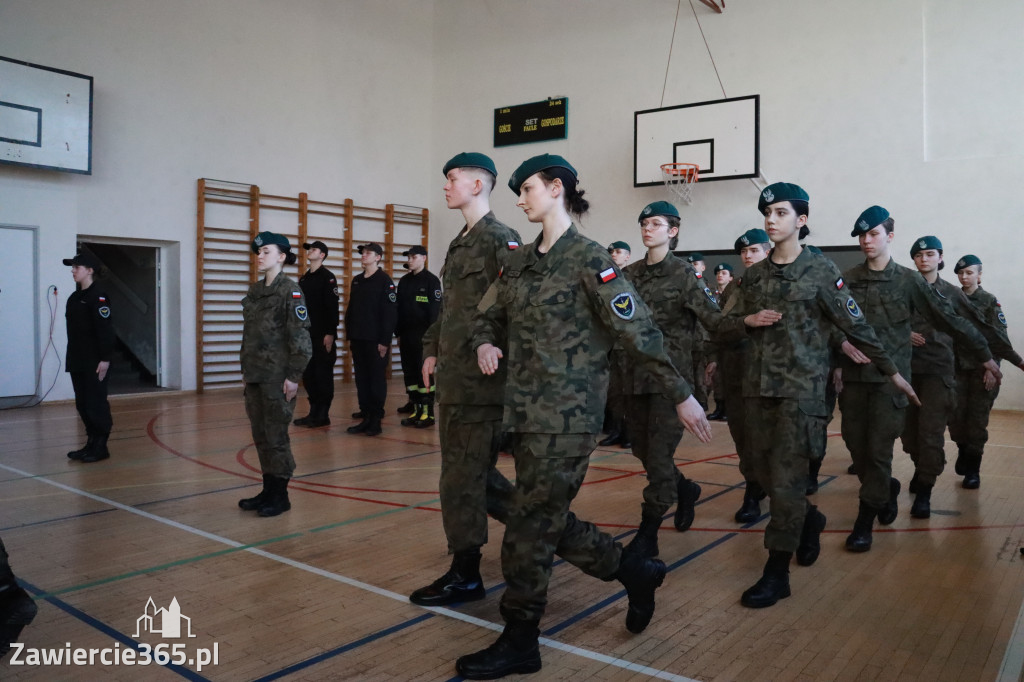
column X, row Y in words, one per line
column 671, row 44
column 52, row 305
column 706, row 46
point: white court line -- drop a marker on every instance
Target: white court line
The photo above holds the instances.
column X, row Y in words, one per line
column 568, row 648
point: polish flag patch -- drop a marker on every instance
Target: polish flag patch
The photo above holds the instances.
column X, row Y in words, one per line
column 513, row 245
column 607, row 275
column 103, row 299
column 296, row 295
column 840, row 283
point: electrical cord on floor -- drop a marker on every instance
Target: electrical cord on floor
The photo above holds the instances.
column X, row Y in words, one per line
column 33, row 401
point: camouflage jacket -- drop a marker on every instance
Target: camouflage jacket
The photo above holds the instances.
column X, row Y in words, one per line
column 936, row 355
column 682, row 307
column 890, row 298
column 790, row 359
column 990, row 312
column 473, row 262
column 275, row 334
column 564, row 310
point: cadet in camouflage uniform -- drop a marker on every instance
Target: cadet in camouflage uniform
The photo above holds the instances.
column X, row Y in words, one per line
column 276, row 348
column 873, row 409
column 17, row 608
column 699, row 360
column 615, row 410
column 786, row 372
column 469, row 403
column 969, row 425
column 934, row 370
column 562, row 303
column 730, row 358
column 679, row 303
column 723, row 280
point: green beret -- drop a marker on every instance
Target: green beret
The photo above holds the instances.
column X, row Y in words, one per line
column 694, row 257
column 471, row 160
column 267, row 238
column 966, row 262
column 780, row 191
column 618, row 245
column 751, row 237
column 662, row 208
column 535, row 165
column 925, row 243
column 869, row 220
column 722, row 266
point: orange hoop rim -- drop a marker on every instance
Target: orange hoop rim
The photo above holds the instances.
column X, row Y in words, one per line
column 689, row 171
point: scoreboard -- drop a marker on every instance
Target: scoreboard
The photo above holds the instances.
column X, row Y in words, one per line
column 533, row 122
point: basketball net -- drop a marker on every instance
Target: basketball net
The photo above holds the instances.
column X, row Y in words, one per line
column 680, row 178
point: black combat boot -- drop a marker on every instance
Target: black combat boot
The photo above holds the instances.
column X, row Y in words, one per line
column 461, row 583
column 254, row 503
column 516, row 652
column 810, row 537
column 888, row 514
column 84, row 450
column 304, row 421
column 641, row 577
column 613, row 438
column 645, row 542
column 361, row 414
column 774, row 582
column 361, row 426
column 687, row 494
column 852, row 469
column 915, row 485
column 750, row 510
column 813, row 467
column 277, row 501
column 98, row 451
column 408, row 408
column 719, row 414
column 962, row 458
column 922, row 507
column 625, row 440
column 426, row 419
column 860, row 539
column 411, row 420
column 972, row 473
column 17, row 609
column 318, row 417
column 373, row 427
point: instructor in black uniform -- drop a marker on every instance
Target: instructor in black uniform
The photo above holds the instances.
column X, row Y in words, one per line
column 419, row 303
column 90, row 345
column 320, row 289
column 369, row 326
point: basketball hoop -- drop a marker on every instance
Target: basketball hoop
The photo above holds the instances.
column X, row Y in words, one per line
column 680, row 179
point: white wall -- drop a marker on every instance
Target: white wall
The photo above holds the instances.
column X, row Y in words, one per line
column 843, row 113
column 322, row 96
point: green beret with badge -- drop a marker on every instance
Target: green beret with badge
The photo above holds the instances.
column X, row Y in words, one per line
column 471, row 160
column 662, row 208
column 780, row 191
column 926, row 243
column 966, row 262
column 751, row 237
column 536, row 164
column 695, row 257
column 868, row 220
column 618, row 245
column 722, row 266
column 271, row 238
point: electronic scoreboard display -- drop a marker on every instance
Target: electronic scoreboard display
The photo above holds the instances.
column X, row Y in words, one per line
column 533, row 122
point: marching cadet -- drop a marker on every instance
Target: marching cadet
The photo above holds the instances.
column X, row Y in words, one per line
column 723, row 278
column 873, row 409
column 615, row 407
column 419, row 302
column 562, row 302
column 17, row 608
column 699, row 361
column 969, row 425
column 469, row 403
column 679, row 303
column 320, row 289
column 90, row 347
column 369, row 325
column 276, row 349
column 786, row 371
column 934, row 376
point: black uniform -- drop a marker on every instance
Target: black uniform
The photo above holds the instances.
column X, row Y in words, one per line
column 419, row 303
column 320, row 290
column 90, row 342
column 370, row 321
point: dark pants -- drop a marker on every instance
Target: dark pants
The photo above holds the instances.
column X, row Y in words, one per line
column 318, row 379
column 371, row 377
column 91, row 401
column 410, row 345
column 924, row 436
column 873, row 417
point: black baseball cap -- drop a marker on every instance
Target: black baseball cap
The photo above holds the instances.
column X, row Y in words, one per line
column 316, row 245
column 372, row 246
column 416, row 250
column 84, row 259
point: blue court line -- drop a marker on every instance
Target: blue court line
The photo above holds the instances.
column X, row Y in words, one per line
column 345, row 647
column 109, row 631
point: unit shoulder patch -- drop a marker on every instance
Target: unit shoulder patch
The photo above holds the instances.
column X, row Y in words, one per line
column 1001, row 317
column 853, row 308
column 301, row 312
column 624, row 306
column 104, row 311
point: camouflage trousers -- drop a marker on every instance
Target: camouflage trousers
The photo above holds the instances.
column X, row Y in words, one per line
column 924, row 435
column 549, row 472
column 873, row 416
column 781, row 436
column 269, row 417
column 471, row 486
column 700, row 391
column 655, row 431
column 969, row 425
column 730, row 368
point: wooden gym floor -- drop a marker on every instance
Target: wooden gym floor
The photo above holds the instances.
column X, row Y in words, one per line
column 320, row 592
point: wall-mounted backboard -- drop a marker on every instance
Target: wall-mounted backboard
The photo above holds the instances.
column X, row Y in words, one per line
column 45, row 117
column 722, row 136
